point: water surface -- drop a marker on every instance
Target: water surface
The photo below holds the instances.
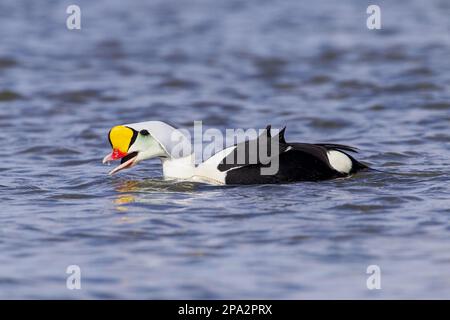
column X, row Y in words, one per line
column 310, row 65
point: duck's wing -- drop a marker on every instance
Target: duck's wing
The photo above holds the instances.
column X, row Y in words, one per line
column 338, row 147
column 296, row 162
column 243, row 163
column 334, row 154
column 250, row 152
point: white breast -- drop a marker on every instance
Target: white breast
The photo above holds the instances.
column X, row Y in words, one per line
column 181, row 168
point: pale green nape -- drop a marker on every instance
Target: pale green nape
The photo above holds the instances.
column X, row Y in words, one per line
column 147, row 148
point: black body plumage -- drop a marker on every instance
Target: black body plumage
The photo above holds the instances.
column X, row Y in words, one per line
column 297, row 161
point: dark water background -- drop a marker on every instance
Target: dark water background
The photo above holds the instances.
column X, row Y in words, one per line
column 310, row 65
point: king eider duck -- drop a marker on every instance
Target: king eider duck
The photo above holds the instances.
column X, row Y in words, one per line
column 238, row 164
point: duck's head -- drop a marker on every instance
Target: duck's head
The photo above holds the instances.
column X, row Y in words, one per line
column 132, row 143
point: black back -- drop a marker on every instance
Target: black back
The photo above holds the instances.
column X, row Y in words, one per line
column 297, row 162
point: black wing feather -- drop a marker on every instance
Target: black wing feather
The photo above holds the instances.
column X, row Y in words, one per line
column 297, row 162
column 248, row 152
column 338, row 147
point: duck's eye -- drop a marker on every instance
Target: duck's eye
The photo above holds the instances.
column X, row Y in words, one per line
column 144, row 132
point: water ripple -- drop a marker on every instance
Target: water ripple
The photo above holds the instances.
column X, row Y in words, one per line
column 231, row 64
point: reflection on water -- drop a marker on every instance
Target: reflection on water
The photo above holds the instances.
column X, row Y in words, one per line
column 156, row 192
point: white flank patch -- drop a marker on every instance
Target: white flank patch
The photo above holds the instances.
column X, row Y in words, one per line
column 208, row 171
column 339, row 161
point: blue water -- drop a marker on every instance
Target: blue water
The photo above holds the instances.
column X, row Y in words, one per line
column 310, row 65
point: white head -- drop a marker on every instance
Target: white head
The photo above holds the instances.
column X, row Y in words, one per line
column 135, row 142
